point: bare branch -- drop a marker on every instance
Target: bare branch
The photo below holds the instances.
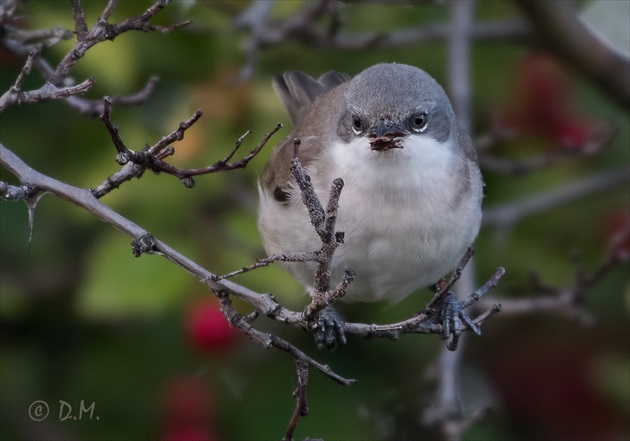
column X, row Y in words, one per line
column 58, row 85
column 124, row 154
column 151, row 157
column 264, row 303
column 94, row 108
column 136, row 162
column 109, row 10
column 445, row 408
column 85, row 106
column 563, row 32
column 260, row 263
column 522, row 166
column 45, row 93
column 145, row 243
column 80, row 26
column 103, row 31
column 568, row 300
column 424, row 322
column 17, row 86
column 303, row 27
column 324, row 224
column 17, row 193
column 7, row 10
column 269, row 340
column 220, row 165
column 30, row 39
column 507, row 215
column 443, row 287
column 301, row 406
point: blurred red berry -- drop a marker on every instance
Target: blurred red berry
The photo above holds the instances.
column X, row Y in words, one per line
column 572, row 134
column 189, row 434
column 187, row 411
column 542, row 104
column 186, row 401
column 206, row 326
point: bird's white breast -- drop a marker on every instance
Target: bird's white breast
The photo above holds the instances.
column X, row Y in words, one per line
column 402, row 231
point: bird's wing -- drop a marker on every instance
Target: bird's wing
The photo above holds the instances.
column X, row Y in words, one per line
column 298, row 90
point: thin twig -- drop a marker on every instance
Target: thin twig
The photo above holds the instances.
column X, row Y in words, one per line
column 94, row 108
column 80, row 26
column 151, row 157
column 28, row 64
column 58, row 84
column 261, row 263
column 422, row 323
column 269, row 340
column 568, row 300
column 323, row 222
column 108, row 10
column 224, row 164
column 444, row 287
column 301, row 405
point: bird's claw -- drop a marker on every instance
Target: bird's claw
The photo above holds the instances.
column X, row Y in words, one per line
column 330, row 329
column 452, row 315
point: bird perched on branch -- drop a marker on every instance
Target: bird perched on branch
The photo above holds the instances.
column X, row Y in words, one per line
column 411, row 203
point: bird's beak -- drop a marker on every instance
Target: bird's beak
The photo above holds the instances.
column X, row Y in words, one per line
column 386, row 135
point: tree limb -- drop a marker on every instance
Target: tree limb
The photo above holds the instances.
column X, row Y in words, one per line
column 562, row 31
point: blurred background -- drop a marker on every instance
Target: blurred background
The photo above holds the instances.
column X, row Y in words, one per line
column 125, row 348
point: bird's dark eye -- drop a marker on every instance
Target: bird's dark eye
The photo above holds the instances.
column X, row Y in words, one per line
column 418, row 122
column 357, row 125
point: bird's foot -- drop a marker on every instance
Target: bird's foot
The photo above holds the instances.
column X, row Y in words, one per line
column 330, row 331
column 452, row 314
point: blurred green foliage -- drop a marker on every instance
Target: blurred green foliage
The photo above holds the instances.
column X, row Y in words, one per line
column 82, row 319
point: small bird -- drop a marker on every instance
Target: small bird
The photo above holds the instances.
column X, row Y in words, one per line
column 411, row 203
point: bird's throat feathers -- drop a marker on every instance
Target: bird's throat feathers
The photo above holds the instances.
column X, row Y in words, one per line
column 421, row 162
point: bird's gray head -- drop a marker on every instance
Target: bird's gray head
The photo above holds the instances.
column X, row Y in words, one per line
column 388, row 102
